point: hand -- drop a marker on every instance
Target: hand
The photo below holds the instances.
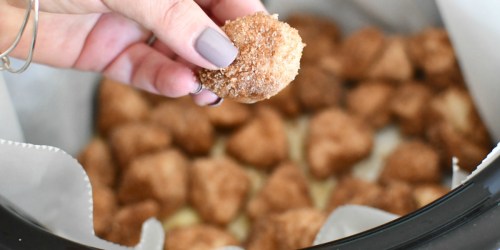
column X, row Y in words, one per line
column 110, row 36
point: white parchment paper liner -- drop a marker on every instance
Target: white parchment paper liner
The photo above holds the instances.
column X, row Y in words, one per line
column 52, row 187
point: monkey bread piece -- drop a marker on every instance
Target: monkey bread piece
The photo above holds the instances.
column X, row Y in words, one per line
column 105, row 206
column 188, row 124
column 393, row 64
column 219, row 187
column 320, row 34
column 412, row 162
column 431, row 50
column 396, row 198
column 155, row 99
column 285, row 102
column 135, row 139
column 127, row 223
column 454, row 78
column 119, row 104
column 262, row 235
column 286, row 188
column 336, row 141
column 331, row 63
column 262, row 142
column 371, row 101
column 360, row 50
column 409, row 106
column 315, row 89
column 198, row 237
column 297, row 228
column 161, row 176
column 312, row 26
column 354, row 191
column 456, row 107
column 293, row 229
column 229, row 114
column 457, row 129
column 453, row 144
column 427, row 193
column 98, row 163
column 268, row 59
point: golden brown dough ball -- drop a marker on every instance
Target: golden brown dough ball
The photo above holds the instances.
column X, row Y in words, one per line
column 371, row 102
column 188, row 124
column 293, row 229
column 397, row 198
column 162, row 176
column 155, row 99
column 410, row 106
column 311, row 26
column 360, row 50
column 98, row 163
column 453, row 144
column 119, row 104
column 285, row 102
column 455, row 107
column 105, row 206
column 393, row 63
column 219, row 188
column 198, row 237
column 354, row 191
column 456, row 128
column 320, row 35
column 268, row 59
column 127, row 223
column 412, row 162
column 262, row 142
column 297, row 228
column 229, row 114
column 336, row 140
column 286, row 188
column 262, row 235
column 135, row 139
column 315, row 89
column 427, row 193
column 431, row 50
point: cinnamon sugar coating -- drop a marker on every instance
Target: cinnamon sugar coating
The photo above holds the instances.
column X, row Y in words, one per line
column 268, row 60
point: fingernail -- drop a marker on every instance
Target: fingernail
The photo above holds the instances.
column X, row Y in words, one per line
column 216, row 48
column 216, row 103
column 198, row 89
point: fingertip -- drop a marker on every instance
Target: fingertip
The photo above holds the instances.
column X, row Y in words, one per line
column 205, row 98
column 176, row 80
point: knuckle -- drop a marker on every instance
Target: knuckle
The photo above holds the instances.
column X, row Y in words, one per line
column 172, row 10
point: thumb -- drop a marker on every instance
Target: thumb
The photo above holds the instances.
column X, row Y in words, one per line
column 184, row 27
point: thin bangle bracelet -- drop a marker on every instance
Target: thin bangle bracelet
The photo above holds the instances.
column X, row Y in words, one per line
column 5, row 64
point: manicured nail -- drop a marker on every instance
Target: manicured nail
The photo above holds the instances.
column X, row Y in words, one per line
column 216, row 102
column 216, row 48
column 198, row 89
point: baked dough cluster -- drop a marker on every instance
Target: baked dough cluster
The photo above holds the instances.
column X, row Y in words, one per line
column 268, row 59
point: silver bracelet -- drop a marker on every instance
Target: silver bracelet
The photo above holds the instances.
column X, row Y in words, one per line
column 5, row 64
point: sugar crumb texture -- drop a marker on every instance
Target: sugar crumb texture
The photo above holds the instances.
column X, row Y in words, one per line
column 268, row 59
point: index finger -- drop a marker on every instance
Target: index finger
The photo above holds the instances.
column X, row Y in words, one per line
column 231, row 9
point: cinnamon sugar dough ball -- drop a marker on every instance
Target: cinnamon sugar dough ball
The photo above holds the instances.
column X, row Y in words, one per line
column 268, row 60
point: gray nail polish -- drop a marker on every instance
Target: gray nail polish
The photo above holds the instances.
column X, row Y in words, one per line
column 216, row 48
